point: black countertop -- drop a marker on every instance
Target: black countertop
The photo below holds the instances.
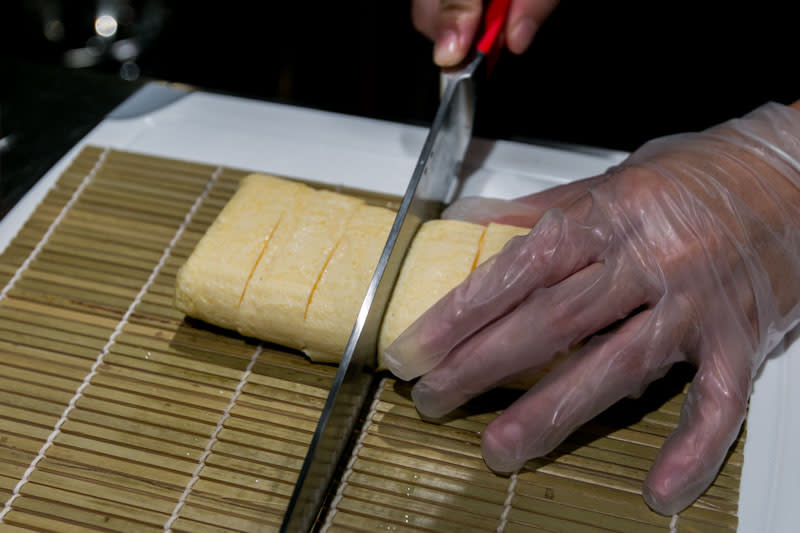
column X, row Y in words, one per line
column 45, row 112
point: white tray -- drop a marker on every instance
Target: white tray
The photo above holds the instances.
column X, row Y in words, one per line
column 380, row 156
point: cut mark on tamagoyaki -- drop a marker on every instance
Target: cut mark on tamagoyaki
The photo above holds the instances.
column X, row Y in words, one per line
column 279, row 292
column 316, row 281
column 258, row 259
column 343, row 283
column 211, row 284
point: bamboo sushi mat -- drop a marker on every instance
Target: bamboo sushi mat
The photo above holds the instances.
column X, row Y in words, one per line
column 118, row 414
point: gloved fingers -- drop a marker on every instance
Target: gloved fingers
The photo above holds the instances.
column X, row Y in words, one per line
column 556, row 247
column 711, row 418
column 524, row 19
column 525, row 340
column 524, row 211
column 607, row 369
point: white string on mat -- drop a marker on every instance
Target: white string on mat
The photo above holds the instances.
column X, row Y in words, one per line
column 107, row 347
column 213, row 440
column 512, row 485
column 53, row 225
column 673, row 524
column 356, row 449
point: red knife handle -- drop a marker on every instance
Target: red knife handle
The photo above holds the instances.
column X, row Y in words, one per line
column 493, row 24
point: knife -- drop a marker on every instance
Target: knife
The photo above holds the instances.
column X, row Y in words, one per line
column 433, row 183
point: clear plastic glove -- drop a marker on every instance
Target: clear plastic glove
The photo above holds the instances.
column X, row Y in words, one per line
column 452, row 25
column 688, row 251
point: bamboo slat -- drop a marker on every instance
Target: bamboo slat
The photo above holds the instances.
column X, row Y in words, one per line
column 118, row 414
column 410, row 475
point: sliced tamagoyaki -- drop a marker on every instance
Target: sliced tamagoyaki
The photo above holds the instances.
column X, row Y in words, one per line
column 211, row 283
column 289, row 264
column 337, row 298
column 441, row 256
column 495, row 238
column 275, row 302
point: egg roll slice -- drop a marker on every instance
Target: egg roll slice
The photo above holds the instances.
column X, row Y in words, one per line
column 275, row 301
column 211, row 282
column 441, row 256
column 496, row 237
column 340, row 291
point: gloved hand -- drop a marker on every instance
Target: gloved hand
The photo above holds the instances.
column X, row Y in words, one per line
column 688, row 251
column 452, row 25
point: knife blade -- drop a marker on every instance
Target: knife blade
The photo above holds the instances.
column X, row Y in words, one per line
column 433, row 183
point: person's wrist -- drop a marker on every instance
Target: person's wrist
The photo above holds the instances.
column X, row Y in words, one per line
column 747, row 173
column 766, row 145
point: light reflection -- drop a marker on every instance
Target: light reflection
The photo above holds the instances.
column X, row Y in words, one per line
column 129, row 71
column 96, row 46
column 105, row 26
column 125, row 50
column 79, row 58
column 5, row 143
column 54, row 30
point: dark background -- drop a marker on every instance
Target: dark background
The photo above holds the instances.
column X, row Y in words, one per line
column 603, row 73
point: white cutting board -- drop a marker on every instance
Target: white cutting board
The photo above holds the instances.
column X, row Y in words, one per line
column 380, row 156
